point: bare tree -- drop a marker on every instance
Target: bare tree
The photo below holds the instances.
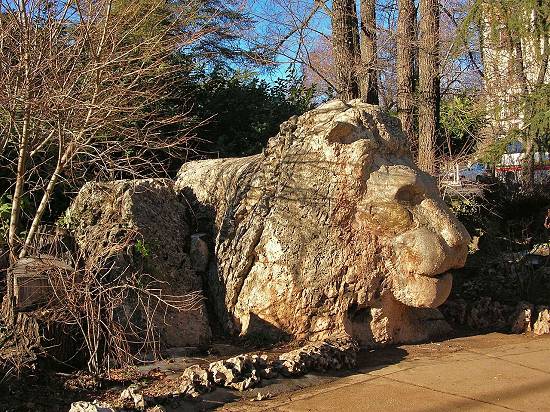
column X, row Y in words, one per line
column 429, row 94
column 107, row 308
column 368, row 73
column 406, row 54
column 82, row 81
column 345, row 48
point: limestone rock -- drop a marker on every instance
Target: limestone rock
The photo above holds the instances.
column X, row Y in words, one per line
column 246, row 371
column 82, row 406
column 241, row 372
column 455, row 311
column 199, row 252
column 318, row 356
column 542, row 325
column 132, row 394
column 157, row 408
column 249, row 382
column 331, row 231
column 222, row 373
column 268, row 373
column 522, row 319
column 149, row 210
column 195, row 380
column 486, row 314
column 189, row 389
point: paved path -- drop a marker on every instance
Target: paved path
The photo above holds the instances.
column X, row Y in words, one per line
column 493, row 372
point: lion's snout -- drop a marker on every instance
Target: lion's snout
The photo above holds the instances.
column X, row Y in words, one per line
column 424, row 257
column 424, row 252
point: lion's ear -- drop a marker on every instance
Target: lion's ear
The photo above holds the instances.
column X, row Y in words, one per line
column 342, row 132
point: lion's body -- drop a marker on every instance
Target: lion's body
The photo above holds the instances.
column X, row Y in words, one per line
column 332, row 230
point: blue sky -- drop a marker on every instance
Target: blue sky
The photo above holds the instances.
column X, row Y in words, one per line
column 270, row 16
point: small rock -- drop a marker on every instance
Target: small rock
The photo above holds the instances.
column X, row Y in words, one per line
column 157, row 408
column 455, row 311
column 268, row 373
column 261, row 396
column 542, row 325
column 259, row 361
column 197, row 375
column 82, row 406
column 241, row 363
column 522, row 318
column 131, row 394
column 247, row 383
column 318, row 356
column 194, row 381
column 222, row 373
column 487, row 314
column 189, row 389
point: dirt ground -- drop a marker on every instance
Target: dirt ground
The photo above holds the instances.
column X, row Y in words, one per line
column 55, row 391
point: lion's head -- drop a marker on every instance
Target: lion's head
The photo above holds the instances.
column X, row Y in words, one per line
column 333, row 229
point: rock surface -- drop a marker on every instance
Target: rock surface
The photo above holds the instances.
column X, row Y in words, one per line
column 522, row 319
column 487, row 314
column 149, row 212
column 132, row 393
column 82, row 406
column 542, row 324
column 247, row 371
column 332, row 231
column 318, row 356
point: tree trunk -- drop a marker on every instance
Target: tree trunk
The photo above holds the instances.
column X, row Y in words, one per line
column 406, row 54
column 345, row 48
column 528, row 175
column 23, row 149
column 428, row 67
column 528, row 172
column 368, row 75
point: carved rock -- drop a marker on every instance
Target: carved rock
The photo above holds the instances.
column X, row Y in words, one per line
column 331, row 231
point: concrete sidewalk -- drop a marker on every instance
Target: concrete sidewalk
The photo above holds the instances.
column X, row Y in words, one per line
column 494, row 372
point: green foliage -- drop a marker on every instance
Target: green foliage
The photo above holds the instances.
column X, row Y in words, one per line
column 144, row 18
column 242, row 111
column 142, row 248
column 492, row 154
column 215, row 26
column 536, row 107
column 463, row 206
column 5, row 210
column 509, row 25
column 65, row 220
column 460, row 119
column 517, row 14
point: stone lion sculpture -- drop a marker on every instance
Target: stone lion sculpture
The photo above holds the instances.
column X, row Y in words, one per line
column 332, row 230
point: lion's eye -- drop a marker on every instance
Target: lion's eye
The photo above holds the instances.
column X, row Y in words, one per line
column 410, row 195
